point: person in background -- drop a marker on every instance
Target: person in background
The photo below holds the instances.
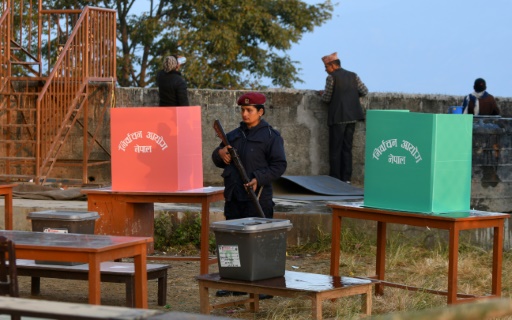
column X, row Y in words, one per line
column 261, row 150
column 343, row 89
column 172, row 88
column 480, row 102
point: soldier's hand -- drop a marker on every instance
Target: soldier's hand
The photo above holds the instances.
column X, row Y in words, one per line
column 253, row 184
column 224, row 154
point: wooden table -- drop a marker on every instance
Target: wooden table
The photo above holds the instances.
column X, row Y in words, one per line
column 131, row 213
column 91, row 249
column 6, row 191
column 453, row 223
column 317, row 287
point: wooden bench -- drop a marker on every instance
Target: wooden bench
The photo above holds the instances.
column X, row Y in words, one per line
column 117, row 272
column 44, row 309
column 316, row 287
column 64, row 310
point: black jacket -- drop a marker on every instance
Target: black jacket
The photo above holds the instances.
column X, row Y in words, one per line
column 261, row 150
column 344, row 105
column 172, row 88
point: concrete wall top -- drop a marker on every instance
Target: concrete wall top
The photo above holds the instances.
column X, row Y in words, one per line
column 301, row 118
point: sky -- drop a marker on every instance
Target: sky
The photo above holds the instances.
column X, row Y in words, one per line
column 413, row 46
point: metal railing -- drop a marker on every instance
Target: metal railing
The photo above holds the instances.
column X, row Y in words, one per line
column 48, row 60
column 87, row 55
column 5, row 30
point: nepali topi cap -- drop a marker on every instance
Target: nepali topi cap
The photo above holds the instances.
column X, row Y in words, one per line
column 330, row 58
column 251, row 99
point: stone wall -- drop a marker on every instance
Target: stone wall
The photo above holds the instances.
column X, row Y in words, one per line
column 300, row 116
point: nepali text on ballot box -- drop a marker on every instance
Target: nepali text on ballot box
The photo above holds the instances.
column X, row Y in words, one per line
column 418, row 162
column 156, row 149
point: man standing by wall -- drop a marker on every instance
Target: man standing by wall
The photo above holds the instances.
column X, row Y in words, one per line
column 342, row 92
column 480, row 102
column 172, row 88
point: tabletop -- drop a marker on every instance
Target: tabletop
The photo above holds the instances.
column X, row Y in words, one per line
column 7, row 186
column 293, row 280
column 471, row 214
column 191, row 192
column 68, row 241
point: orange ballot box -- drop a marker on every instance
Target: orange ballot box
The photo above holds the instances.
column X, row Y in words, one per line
column 156, row 148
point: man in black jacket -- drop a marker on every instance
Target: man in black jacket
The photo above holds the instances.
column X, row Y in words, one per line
column 172, row 88
column 342, row 92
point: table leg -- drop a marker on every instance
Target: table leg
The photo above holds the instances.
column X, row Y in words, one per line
column 205, row 237
column 139, row 220
column 316, row 307
column 497, row 256
column 335, row 243
column 380, row 263
column 141, row 278
column 204, row 298
column 119, row 217
column 8, row 210
column 162, row 290
column 254, row 305
column 35, row 286
column 94, row 280
column 453, row 258
column 366, row 301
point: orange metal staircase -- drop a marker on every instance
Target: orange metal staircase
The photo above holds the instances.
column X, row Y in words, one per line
column 51, row 62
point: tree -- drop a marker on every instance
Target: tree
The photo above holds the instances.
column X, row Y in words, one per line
column 229, row 44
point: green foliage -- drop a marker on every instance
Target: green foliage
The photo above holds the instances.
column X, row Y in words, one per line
column 184, row 235
column 163, row 230
column 229, row 44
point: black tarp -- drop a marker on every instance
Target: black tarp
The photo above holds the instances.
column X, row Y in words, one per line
column 315, row 188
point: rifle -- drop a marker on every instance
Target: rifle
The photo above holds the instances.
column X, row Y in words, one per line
column 238, row 164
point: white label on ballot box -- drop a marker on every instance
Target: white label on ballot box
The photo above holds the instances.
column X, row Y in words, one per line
column 229, row 256
column 54, row 230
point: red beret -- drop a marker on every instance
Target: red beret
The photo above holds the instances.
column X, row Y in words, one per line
column 251, row 99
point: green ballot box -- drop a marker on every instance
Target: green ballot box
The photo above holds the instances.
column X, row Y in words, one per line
column 418, row 162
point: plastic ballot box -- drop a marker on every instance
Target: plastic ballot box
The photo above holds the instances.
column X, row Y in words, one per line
column 418, row 162
column 156, row 149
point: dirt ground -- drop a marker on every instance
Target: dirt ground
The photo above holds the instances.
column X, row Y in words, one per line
column 182, row 289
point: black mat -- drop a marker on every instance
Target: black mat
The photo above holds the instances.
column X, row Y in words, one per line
column 315, row 188
column 38, row 192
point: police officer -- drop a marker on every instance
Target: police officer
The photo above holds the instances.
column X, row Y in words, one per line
column 261, row 150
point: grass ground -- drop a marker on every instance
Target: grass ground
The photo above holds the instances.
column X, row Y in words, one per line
column 409, row 261
column 416, row 260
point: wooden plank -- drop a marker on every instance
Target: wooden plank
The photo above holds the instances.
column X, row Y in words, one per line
column 65, row 310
